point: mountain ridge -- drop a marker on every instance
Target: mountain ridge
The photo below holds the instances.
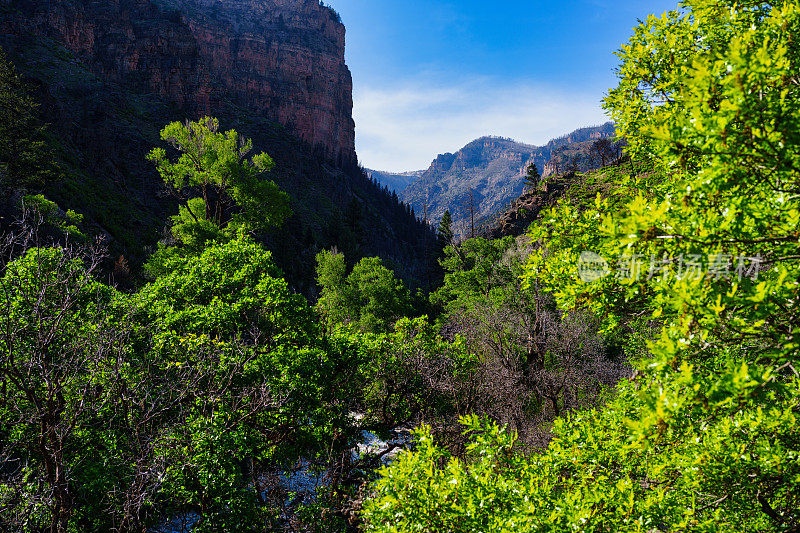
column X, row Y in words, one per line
column 395, row 181
column 488, row 173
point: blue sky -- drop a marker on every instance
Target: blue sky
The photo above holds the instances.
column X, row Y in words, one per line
column 431, row 75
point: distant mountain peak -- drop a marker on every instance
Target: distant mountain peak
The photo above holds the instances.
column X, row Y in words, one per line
column 394, row 181
column 487, row 172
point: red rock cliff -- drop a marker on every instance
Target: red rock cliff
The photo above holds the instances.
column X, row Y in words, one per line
column 282, row 59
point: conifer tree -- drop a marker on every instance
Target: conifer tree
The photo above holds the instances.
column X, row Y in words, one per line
column 446, row 234
column 533, row 176
column 25, row 159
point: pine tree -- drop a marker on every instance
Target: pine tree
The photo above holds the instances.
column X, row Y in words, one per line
column 533, row 176
column 25, row 158
column 446, row 234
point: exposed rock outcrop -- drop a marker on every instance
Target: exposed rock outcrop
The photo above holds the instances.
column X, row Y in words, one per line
column 280, row 59
column 485, row 176
column 515, row 220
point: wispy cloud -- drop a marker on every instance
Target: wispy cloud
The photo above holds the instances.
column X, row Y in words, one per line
column 404, row 127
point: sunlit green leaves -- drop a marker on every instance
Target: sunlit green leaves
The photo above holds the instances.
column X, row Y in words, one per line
column 370, row 296
column 234, row 194
column 706, row 438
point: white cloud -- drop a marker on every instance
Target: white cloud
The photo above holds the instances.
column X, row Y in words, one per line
column 405, row 126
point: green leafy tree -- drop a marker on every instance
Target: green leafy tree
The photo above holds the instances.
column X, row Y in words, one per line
column 259, row 388
column 475, row 271
column 706, row 438
column 381, row 297
column 370, row 296
column 60, row 339
column 410, row 374
column 233, row 193
column 430, row 490
column 227, row 291
column 337, row 301
column 193, row 399
column 191, row 227
column 66, row 223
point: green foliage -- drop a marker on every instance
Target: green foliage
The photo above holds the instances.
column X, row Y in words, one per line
column 428, row 490
column 724, row 167
column 68, row 223
column 26, row 161
column 478, row 270
column 706, row 438
column 409, row 373
column 234, row 194
column 192, row 228
column 595, row 476
column 370, row 297
column 178, row 401
column 269, row 375
column 58, row 348
column 380, row 297
column 226, row 291
column 445, row 232
column 183, row 399
column 337, row 301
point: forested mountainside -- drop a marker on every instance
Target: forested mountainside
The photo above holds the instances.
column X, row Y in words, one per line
column 110, row 75
column 626, row 358
column 483, row 177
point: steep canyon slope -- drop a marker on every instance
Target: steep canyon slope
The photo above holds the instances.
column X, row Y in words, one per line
column 282, row 59
column 110, row 74
column 487, row 174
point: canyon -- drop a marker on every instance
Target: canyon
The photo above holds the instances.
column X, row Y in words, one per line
column 281, row 59
column 109, row 75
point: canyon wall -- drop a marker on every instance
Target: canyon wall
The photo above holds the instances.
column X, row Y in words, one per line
column 110, row 74
column 486, row 175
column 280, row 59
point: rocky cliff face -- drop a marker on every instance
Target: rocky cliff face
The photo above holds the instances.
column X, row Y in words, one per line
column 489, row 173
column 110, row 74
column 516, row 219
column 280, row 59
